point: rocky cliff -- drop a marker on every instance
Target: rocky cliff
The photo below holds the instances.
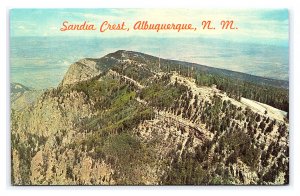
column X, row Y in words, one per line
column 130, row 118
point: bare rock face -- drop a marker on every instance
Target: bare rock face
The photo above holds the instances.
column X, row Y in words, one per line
column 122, row 120
column 16, row 173
column 22, row 96
column 80, row 71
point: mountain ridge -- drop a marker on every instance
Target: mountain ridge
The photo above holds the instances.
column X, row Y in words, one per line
column 130, row 119
column 203, row 68
column 227, row 72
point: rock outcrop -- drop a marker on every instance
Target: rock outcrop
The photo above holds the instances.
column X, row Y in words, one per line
column 133, row 119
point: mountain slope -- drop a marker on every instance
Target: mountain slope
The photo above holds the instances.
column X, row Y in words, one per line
column 130, row 118
column 22, row 96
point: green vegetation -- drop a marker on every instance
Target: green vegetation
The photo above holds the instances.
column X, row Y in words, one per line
column 196, row 168
column 141, row 146
column 110, row 129
column 235, row 85
column 25, row 150
column 273, row 96
column 162, row 96
column 240, row 144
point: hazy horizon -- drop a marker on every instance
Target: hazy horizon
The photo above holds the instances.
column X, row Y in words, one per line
column 40, row 54
column 47, row 59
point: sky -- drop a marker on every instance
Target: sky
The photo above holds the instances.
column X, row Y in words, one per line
column 254, row 25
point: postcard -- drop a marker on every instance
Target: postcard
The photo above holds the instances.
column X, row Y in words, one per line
column 149, row 96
